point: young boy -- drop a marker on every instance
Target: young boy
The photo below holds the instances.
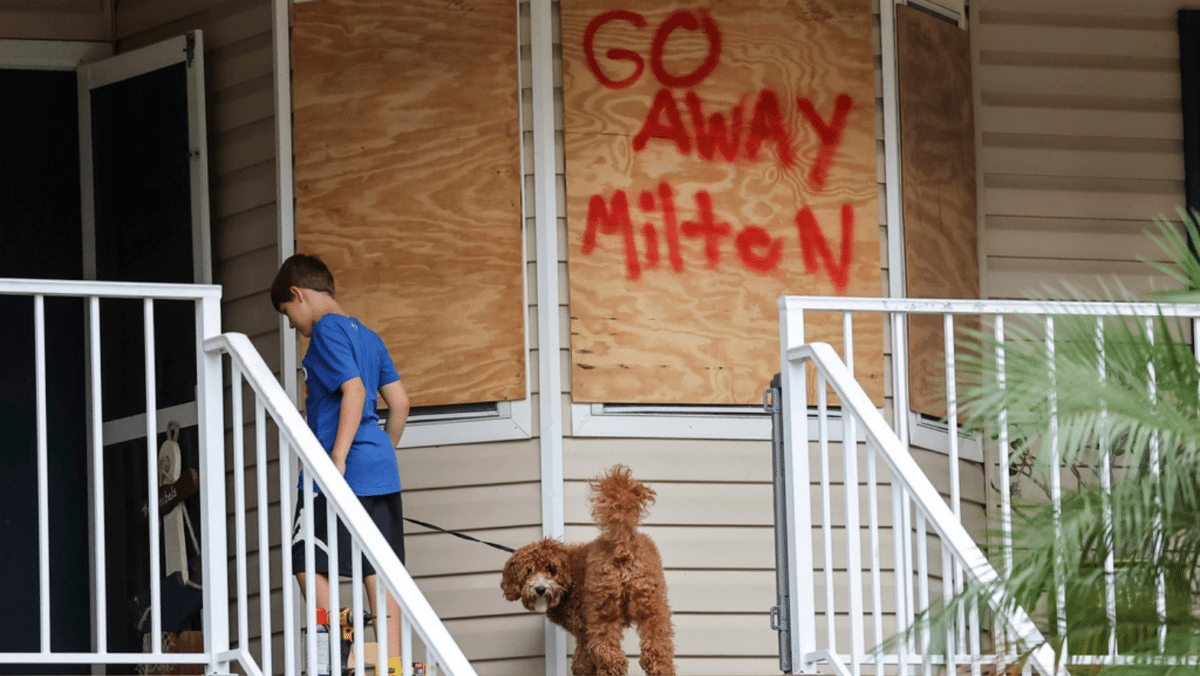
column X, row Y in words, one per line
column 346, row 365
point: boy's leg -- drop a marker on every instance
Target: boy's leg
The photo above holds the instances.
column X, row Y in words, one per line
column 320, row 585
column 393, row 621
column 320, row 588
column 387, row 511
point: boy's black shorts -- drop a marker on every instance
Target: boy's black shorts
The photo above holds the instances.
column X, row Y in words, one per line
column 386, row 511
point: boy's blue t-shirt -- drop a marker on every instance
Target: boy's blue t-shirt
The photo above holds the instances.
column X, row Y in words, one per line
column 340, row 349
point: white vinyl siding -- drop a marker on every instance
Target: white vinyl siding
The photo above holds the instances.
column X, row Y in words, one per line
column 1081, row 136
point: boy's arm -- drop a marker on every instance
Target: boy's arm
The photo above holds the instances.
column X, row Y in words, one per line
column 397, row 400
column 354, row 397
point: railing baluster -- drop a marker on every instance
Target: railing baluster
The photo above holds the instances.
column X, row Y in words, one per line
column 406, row 647
column 947, row 594
column 900, row 402
column 96, row 434
column 267, row 644
column 1160, row 601
column 923, row 599
column 286, row 491
column 335, row 584
column 43, row 470
column 1003, row 638
column 826, row 512
column 956, row 572
column 973, row 634
column 876, row 578
column 1110, row 591
column 853, row 522
column 152, row 477
column 384, row 649
column 239, row 503
column 903, row 579
column 310, row 575
column 356, row 610
column 1060, row 593
column 910, row 577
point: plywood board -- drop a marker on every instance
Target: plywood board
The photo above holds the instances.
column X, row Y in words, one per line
column 938, row 170
column 718, row 156
column 408, row 183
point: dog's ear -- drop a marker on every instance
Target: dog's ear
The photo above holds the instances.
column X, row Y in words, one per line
column 509, row 584
column 563, row 562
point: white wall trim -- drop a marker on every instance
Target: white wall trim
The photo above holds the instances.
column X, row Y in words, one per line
column 671, row 422
column 951, row 10
column 933, row 435
column 285, row 199
column 744, row 423
column 131, row 64
column 893, row 195
column 511, row 420
column 550, row 388
column 894, row 205
column 550, row 385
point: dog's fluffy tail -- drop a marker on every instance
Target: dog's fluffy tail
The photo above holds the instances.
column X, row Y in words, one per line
column 619, row 502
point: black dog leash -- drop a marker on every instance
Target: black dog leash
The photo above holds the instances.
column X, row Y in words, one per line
column 460, row 535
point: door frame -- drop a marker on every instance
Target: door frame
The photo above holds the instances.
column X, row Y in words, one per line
column 189, row 49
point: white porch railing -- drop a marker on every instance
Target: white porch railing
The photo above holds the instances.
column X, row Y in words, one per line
column 895, row 563
column 231, row 642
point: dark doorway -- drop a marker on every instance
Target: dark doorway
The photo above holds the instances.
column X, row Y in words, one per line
column 141, row 162
column 40, row 231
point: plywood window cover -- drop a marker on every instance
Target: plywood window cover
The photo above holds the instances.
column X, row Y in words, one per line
column 594, row 323
column 504, row 420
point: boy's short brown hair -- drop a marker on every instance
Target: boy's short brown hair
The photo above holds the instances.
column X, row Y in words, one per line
column 304, row 271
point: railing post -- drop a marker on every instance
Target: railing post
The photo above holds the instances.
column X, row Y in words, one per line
column 801, row 613
column 211, row 428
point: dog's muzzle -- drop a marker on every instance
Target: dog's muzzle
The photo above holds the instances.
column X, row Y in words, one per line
column 540, row 593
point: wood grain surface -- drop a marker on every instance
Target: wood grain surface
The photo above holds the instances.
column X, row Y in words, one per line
column 408, row 183
column 938, row 170
column 665, row 314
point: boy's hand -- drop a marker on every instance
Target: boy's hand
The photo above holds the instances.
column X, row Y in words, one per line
column 341, row 465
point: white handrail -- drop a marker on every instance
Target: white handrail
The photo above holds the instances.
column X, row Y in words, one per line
column 923, row 494
column 84, row 289
column 296, row 432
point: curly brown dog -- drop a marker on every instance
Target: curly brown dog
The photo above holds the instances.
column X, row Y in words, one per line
column 595, row 590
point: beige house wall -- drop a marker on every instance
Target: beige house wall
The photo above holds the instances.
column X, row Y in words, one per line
column 83, row 20
column 1080, row 139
